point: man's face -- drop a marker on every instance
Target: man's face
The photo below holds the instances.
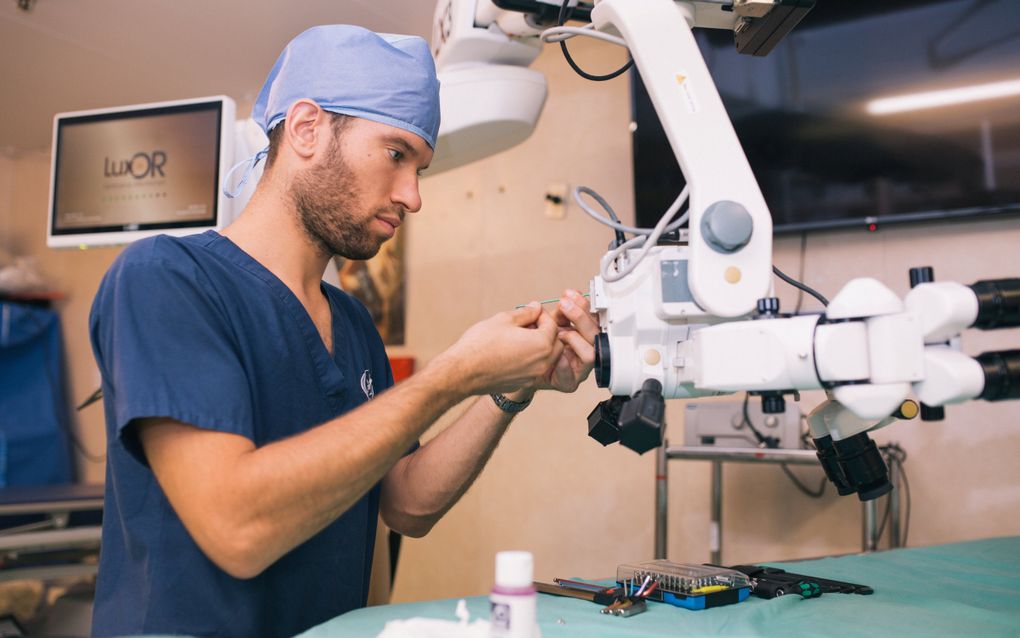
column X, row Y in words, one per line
column 356, row 196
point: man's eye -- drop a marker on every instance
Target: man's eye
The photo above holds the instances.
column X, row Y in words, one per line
column 396, row 155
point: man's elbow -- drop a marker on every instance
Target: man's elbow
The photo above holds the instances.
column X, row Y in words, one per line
column 410, row 524
column 238, row 553
column 417, row 529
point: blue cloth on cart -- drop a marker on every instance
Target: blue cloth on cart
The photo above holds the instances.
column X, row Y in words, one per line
column 33, row 410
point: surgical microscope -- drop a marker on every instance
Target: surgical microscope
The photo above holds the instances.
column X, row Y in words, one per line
column 686, row 309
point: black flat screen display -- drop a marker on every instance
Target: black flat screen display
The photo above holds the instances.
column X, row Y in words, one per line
column 154, row 168
column 827, row 152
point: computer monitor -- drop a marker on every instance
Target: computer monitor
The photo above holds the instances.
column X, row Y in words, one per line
column 124, row 173
column 869, row 113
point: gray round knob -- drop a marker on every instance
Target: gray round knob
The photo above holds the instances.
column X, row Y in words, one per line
column 726, row 226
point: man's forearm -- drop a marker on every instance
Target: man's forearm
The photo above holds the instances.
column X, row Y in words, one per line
column 253, row 505
column 425, row 485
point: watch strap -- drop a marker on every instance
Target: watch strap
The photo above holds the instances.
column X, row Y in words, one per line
column 507, row 405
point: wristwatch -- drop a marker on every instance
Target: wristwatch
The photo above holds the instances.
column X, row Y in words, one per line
column 507, row 405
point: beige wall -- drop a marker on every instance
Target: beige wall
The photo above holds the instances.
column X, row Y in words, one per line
column 6, row 197
column 482, row 244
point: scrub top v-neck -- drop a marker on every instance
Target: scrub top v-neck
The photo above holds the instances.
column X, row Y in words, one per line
column 196, row 330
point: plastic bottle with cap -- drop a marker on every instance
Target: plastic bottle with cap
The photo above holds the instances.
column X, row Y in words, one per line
column 513, row 600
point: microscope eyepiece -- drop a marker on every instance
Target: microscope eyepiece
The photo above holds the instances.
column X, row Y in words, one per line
column 998, row 303
column 1002, row 375
column 863, row 466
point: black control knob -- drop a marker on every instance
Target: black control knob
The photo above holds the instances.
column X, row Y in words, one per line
column 921, row 275
column 773, row 403
column 768, row 307
column 603, row 421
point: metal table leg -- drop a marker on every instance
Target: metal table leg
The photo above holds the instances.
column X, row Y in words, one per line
column 715, row 540
column 869, row 524
column 661, row 500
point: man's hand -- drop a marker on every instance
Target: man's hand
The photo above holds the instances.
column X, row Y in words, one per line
column 508, row 351
column 577, row 329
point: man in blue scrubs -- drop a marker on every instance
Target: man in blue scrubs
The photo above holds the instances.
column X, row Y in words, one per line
column 253, row 433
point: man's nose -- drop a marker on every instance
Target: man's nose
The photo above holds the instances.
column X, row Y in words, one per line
column 407, row 195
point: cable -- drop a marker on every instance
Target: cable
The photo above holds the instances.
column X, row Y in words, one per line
column 796, row 284
column 564, row 14
column 653, row 237
column 562, row 34
column 764, row 441
column 895, row 456
column 620, row 237
column 906, row 492
column 645, row 238
column 819, row 493
column 647, row 243
column 771, row 442
column 614, row 221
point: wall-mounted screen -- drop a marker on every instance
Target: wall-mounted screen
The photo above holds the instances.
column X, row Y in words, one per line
column 122, row 174
column 868, row 113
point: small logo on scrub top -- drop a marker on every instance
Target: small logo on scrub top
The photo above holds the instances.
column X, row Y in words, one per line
column 366, row 384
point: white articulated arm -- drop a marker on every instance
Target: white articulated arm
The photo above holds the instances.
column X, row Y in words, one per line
column 730, row 225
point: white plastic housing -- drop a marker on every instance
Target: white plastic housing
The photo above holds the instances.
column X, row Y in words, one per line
column 486, row 110
column 647, row 332
column 834, row 419
column 701, row 135
column 950, row 377
column 841, row 351
column 871, row 401
column 764, row 354
column 864, row 297
column 457, row 39
column 895, row 348
column 946, row 309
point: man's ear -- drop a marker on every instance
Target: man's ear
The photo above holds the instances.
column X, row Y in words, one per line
column 303, row 133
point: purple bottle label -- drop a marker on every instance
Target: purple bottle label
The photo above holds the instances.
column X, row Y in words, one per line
column 528, row 590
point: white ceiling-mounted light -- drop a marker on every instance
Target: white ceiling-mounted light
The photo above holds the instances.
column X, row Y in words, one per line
column 944, row 97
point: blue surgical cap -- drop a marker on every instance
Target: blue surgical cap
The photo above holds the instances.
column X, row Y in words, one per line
column 345, row 69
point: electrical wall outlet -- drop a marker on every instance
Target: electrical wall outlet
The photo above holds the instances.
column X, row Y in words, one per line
column 556, row 201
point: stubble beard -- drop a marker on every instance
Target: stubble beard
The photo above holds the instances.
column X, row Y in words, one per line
column 328, row 203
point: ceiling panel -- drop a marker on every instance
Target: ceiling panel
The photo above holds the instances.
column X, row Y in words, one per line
column 68, row 55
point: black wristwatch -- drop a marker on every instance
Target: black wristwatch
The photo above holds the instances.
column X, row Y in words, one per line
column 509, row 406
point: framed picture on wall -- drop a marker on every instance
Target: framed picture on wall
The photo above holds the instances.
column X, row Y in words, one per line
column 379, row 284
